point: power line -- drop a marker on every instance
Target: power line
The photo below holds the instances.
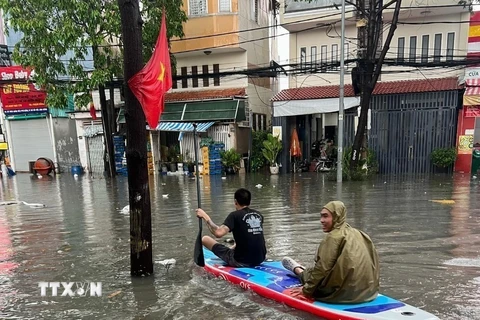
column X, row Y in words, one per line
column 259, row 28
column 221, row 34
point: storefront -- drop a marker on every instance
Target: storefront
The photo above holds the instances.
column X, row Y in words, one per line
column 172, row 140
column 468, row 133
column 29, row 129
column 407, row 120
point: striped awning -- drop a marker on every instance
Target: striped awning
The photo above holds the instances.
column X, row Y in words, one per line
column 472, row 87
column 182, row 126
column 471, row 97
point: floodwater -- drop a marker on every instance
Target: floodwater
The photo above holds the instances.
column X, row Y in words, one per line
column 429, row 251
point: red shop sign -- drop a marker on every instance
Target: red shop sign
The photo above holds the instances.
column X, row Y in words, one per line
column 18, row 96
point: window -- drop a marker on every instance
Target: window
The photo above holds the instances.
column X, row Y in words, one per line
column 303, row 57
column 197, row 7
column 259, row 121
column 206, row 78
column 184, row 79
column 437, row 47
column 413, row 49
column 335, row 59
column 450, row 45
column 401, row 49
column 255, row 10
column 224, row 5
column 425, row 41
column 194, row 73
column 216, row 77
column 313, row 56
column 323, row 58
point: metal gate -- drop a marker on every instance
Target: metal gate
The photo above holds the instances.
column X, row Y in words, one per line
column 349, row 128
column 407, row 128
column 96, row 165
column 221, row 133
column 95, row 149
column 30, row 140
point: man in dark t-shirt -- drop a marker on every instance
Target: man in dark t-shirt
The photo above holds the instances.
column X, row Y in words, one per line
column 247, row 227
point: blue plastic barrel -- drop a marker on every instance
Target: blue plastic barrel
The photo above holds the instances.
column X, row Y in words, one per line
column 77, row 170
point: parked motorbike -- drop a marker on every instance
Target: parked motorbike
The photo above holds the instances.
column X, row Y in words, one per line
column 301, row 166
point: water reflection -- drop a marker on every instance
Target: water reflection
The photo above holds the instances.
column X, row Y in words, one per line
column 82, row 236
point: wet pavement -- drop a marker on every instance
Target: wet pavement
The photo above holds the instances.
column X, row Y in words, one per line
column 429, row 251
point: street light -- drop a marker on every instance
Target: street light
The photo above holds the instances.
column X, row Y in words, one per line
column 341, row 97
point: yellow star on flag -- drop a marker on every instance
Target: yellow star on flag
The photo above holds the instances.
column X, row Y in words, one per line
column 162, row 72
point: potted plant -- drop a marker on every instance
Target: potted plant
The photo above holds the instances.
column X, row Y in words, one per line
column 179, row 159
column 271, row 148
column 230, row 161
column 443, row 157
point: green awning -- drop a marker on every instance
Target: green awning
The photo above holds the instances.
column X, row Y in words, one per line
column 221, row 110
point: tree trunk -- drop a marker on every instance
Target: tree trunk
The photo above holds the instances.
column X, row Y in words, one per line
column 138, row 187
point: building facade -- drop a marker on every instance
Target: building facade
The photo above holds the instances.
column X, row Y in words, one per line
column 433, row 33
column 217, row 41
column 468, row 133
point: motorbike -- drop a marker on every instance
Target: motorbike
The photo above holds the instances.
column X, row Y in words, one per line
column 301, row 166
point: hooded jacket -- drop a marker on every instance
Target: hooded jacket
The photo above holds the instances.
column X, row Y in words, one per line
column 346, row 265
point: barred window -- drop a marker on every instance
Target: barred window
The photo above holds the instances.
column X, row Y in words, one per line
column 224, row 5
column 197, row 7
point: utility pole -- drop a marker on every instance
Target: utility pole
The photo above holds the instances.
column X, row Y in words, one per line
column 107, row 133
column 365, row 66
column 139, row 192
column 342, row 98
column 372, row 51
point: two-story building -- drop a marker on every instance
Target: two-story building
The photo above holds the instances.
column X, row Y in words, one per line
column 220, row 36
column 414, row 109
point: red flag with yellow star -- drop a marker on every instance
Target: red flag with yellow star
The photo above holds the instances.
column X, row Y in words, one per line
column 151, row 83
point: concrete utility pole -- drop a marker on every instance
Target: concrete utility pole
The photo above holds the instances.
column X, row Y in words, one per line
column 139, row 192
column 362, row 34
column 371, row 55
column 342, row 98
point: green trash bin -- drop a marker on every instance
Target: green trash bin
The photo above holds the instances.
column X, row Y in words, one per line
column 475, row 161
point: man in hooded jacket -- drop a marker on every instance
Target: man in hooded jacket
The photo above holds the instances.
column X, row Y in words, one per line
column 346, row 265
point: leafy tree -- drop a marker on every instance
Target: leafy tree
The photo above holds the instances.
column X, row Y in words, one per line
column 60, row 35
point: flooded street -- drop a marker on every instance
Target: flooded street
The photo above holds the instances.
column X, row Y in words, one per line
column 429, row 252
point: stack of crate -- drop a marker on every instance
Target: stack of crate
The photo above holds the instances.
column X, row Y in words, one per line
column 215, row 162
column 119, row 149
column 205, row 158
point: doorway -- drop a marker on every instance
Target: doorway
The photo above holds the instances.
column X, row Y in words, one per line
column 330, row 132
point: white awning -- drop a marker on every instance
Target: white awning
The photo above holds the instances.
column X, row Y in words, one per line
column 303, row 107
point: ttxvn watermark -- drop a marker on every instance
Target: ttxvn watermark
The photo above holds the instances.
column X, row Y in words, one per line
column 72, row 289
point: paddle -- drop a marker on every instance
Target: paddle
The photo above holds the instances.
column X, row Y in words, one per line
column 198, row 251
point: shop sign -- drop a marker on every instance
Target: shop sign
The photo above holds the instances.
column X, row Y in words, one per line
column 17, row 95
column 465, row 144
